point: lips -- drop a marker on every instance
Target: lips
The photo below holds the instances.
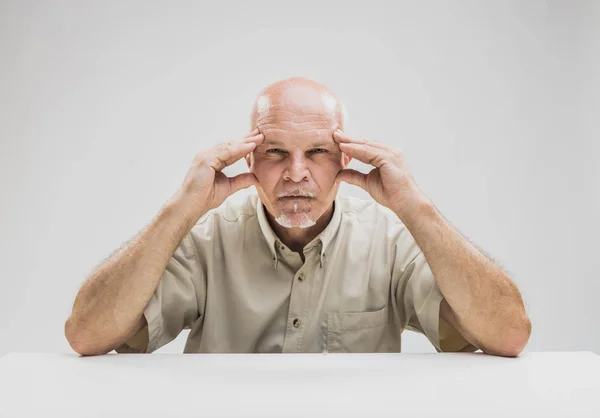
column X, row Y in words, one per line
column 295, row 194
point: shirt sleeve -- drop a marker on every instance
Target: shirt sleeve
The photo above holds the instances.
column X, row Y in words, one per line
column 419, row 299
column 176, row 303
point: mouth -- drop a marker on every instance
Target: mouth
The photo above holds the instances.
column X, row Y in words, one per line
column 295, row 195
column 289, row 198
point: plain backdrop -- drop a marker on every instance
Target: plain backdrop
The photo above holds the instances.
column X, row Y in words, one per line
column 104, row 104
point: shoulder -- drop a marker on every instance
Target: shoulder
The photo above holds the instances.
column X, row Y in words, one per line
column 367, row 218
column 367, row 212
column 234, row 214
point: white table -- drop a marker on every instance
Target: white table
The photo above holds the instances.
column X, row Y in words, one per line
column 550, row 384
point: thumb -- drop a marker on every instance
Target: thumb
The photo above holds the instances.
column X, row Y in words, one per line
column 242, row 181
column 354, row 177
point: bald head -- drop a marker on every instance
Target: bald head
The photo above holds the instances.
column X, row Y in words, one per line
column 297, row 103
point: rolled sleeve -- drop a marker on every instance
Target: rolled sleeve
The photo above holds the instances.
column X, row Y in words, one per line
column 174, row 306
column 421, row 298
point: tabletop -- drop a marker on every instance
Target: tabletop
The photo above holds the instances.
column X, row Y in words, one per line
column 545, row 384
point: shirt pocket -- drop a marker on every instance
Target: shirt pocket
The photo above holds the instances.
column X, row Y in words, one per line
column 356, row 332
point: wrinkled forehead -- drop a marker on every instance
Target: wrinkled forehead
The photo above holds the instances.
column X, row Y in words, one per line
column 278, row 123
column 296, row 110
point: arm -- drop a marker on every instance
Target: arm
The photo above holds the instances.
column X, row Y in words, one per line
column 108, row 308
column 483, row 304
column 480, row 300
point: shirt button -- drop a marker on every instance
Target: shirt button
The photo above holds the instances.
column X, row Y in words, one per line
column 301, row 277
column 297, row 323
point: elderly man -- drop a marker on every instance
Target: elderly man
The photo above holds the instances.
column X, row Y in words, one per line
column 298, row 268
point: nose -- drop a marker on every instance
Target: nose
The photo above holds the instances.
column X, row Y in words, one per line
column 297, row 168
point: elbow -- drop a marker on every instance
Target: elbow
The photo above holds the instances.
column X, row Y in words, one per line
column 80, row 342
column 520, row 340
column 513, row 342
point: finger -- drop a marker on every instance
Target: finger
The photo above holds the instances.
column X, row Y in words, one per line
column 254, row 138
column 364, row 153
column 254, row 133
column 228, row 153
column 341, row 137
column 354, row 177
column 242, row 181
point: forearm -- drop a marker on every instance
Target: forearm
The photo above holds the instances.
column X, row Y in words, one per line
column 486, row 303
column 110, row 303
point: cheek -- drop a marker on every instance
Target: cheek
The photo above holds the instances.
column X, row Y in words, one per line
column 330, row 165
column 325, row 173
column 266, row 171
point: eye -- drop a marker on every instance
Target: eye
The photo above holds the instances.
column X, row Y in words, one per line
column 276, row 150
column 318, row 150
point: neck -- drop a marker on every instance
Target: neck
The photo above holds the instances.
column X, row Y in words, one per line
column 297, row 238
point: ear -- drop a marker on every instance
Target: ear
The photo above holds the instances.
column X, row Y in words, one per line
column 248, row 159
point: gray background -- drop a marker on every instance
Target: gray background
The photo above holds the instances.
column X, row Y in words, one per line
column 103, row 106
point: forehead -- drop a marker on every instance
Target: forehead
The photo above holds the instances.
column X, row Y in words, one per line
column 296, row 110
column 286, row 129
column 280, row 122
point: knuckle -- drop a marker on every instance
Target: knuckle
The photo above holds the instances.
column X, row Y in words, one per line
column 200, row 159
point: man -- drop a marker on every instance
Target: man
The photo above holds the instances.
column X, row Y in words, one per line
column 298, row 268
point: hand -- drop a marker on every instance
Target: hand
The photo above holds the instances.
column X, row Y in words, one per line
column 205, row 186
column 390, row 183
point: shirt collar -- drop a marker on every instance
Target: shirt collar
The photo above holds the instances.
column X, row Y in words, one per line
column 326, row 237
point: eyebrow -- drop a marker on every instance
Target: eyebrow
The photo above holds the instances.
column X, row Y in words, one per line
column 316, row 144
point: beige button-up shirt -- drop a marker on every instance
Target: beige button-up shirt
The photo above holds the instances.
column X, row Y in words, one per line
column 240, row 290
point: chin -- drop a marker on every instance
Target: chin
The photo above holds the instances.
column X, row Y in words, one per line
column 295, row 212
column 295, row 220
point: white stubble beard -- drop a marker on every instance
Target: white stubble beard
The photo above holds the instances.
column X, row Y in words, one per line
column 286, row 222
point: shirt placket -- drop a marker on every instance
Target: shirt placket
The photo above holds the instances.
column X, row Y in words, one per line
column 297, row 319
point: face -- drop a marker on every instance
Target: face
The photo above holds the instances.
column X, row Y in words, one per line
column 297, row 165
